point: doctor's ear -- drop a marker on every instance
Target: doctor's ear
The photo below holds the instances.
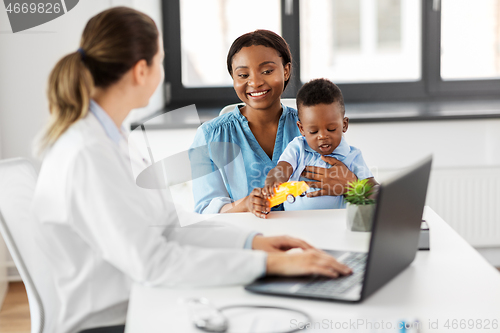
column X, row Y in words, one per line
column 140, row 72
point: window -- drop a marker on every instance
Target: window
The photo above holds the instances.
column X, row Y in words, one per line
column 470, row 39
column 353, row 41
column 209, row 27
column 376, row 50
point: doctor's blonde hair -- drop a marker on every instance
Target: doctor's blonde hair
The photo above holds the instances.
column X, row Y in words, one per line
column 112, row 42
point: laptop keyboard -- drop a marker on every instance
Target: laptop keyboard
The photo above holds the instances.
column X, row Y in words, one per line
column 321, row 285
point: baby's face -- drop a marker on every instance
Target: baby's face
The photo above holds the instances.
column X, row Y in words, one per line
column 323, row 125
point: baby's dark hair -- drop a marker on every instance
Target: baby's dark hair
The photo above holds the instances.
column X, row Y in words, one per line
column 260, row 37
column 319, row 91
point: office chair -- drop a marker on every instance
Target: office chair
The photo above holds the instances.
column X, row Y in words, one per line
column 290, row 102
column 19, row 230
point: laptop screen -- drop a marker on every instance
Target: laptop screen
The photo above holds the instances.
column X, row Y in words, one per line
column 396, row 228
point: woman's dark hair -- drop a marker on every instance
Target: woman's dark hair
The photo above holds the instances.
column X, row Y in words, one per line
column 319, row 91
column 112, row 42
column 260, row 37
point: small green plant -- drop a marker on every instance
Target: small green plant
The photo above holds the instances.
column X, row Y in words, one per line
column 359, row 192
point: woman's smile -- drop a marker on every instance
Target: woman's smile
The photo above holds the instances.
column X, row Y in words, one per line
column 258, row 94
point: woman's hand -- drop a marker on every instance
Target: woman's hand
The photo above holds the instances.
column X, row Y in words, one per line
column 278, row 243
column 257, row 204
column 311, row 261
column 331, row 181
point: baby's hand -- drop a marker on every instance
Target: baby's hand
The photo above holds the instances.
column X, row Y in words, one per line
column 269, row 187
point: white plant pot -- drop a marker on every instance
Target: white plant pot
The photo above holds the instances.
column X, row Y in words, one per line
column 360, row 218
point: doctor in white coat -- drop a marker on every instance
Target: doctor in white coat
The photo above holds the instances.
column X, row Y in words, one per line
column 100, row 230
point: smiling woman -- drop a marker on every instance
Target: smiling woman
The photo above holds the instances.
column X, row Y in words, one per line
column 259, row 63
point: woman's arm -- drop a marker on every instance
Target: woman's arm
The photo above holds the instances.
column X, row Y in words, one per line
column 209, row 190
column 254, row 203
column 239, row 206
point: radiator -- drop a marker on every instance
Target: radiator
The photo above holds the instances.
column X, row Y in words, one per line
column 469, row 201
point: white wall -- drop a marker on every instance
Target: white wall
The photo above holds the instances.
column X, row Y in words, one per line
column 454, row 143
column 26, row 59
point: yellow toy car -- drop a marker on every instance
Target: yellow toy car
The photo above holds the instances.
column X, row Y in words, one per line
column 287, row 192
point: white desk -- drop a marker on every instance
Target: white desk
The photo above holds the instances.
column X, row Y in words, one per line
column 451, row 281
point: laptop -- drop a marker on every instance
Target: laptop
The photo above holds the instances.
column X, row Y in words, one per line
column 393, row 246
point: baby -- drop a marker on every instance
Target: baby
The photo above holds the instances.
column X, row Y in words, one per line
column 322, row 123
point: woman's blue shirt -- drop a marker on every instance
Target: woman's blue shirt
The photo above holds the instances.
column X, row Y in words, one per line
column 227, row 162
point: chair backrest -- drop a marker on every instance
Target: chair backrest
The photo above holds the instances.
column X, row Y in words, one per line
column 19, row 229
column 229, row 108
column 290, row 102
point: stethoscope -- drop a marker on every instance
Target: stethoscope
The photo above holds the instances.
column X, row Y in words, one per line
column 208, row 318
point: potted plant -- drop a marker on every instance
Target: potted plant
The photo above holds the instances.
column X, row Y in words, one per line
column 360, row 205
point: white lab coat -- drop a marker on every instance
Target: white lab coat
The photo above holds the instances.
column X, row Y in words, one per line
column 101, row 233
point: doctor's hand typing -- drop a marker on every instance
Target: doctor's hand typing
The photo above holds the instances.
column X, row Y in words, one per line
column 278, row 243
column 310, row 261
